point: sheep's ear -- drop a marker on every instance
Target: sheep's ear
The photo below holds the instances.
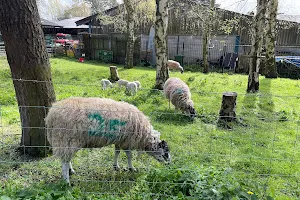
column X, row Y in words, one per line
column 162, row 144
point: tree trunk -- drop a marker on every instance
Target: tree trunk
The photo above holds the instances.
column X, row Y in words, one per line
column 130, row 33
column 270, row 64
column 227, row 111
column 205, row 49
column 161, row 25
column 28, row 60
column 114, row 76
column 257, row 42
column 206, row 35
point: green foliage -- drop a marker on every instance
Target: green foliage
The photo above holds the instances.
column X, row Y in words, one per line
column 144, row 12
column 229, row 24
column 78, row 8
column 194, row 182
column 42, row 191
column 100, row 6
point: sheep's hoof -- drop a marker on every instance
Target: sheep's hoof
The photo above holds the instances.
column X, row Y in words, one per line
column 116, row 167
column 71, row 172
column 132, row 169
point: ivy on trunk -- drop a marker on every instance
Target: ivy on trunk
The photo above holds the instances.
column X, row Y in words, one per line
column 161, row 25
column 130, row 33
column 257, row 43
column 271, row 70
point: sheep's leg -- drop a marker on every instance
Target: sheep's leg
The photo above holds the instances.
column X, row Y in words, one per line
column 71, row 170
column 117, row 153
column 129, row 156
column 65, row 171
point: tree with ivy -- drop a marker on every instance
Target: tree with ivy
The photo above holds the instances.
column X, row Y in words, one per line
column 128, row 18
column 270, row 63
column 161, row 26
column 256, row 48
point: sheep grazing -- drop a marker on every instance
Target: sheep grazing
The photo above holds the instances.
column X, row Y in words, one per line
column 131, row 88
column 122, row 82
column 179, row 94
column 138, row 84
column 174, row 65
column 77, row 123
column 106, row 83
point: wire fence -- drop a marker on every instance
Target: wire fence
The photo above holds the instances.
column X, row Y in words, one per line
column 262, row 147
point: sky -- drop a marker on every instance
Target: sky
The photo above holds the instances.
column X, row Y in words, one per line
column 286, row 7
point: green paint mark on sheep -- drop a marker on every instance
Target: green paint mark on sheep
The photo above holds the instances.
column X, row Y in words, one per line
column 114, row 123
column 113, row 126
column 179, row 91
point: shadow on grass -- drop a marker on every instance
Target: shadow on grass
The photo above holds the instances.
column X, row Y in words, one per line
column 171, row 117
column 249, row 102
column 154, row 96
column 266, row 103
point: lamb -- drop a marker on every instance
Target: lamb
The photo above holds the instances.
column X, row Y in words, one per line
column 79, row 122
column 131, row 88
column 122, row 82
column 138, row 84
column 179, row 94
column 106, row 83
column 174, row 65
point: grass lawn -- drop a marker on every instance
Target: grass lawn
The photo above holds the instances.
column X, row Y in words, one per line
column 260, row 155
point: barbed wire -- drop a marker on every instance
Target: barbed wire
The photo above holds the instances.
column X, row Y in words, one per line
column 146, row 89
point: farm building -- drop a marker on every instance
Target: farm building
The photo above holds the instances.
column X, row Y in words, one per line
column 69, row 26
column 50, row 27
column 184, row 37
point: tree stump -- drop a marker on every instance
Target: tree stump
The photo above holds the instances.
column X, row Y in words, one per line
column 227, row 111
column 114, row 76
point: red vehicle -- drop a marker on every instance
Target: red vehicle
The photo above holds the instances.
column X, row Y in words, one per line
column 65, row 39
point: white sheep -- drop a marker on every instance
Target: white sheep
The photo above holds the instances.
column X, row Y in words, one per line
column 122, row 82
column 131, row 88
column 77, row 123
column 174, row 65
column 138, row 84
column 106, row 83
column 179, row 94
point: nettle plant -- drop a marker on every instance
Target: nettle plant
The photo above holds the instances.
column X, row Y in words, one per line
column 197, row 182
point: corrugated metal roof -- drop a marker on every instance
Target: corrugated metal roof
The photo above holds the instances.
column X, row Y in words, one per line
column 70, row 23
column 291, row 18
column 45, row 22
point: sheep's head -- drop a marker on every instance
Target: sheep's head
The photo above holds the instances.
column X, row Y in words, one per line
column 192, row 112
column 182, row 70
column 189, row 110
column 160, row 151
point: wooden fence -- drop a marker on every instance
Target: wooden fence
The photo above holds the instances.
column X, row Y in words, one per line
column 115, row 42
column 2, row 49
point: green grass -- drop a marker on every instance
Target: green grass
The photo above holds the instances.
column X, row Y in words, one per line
column 260, row 155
